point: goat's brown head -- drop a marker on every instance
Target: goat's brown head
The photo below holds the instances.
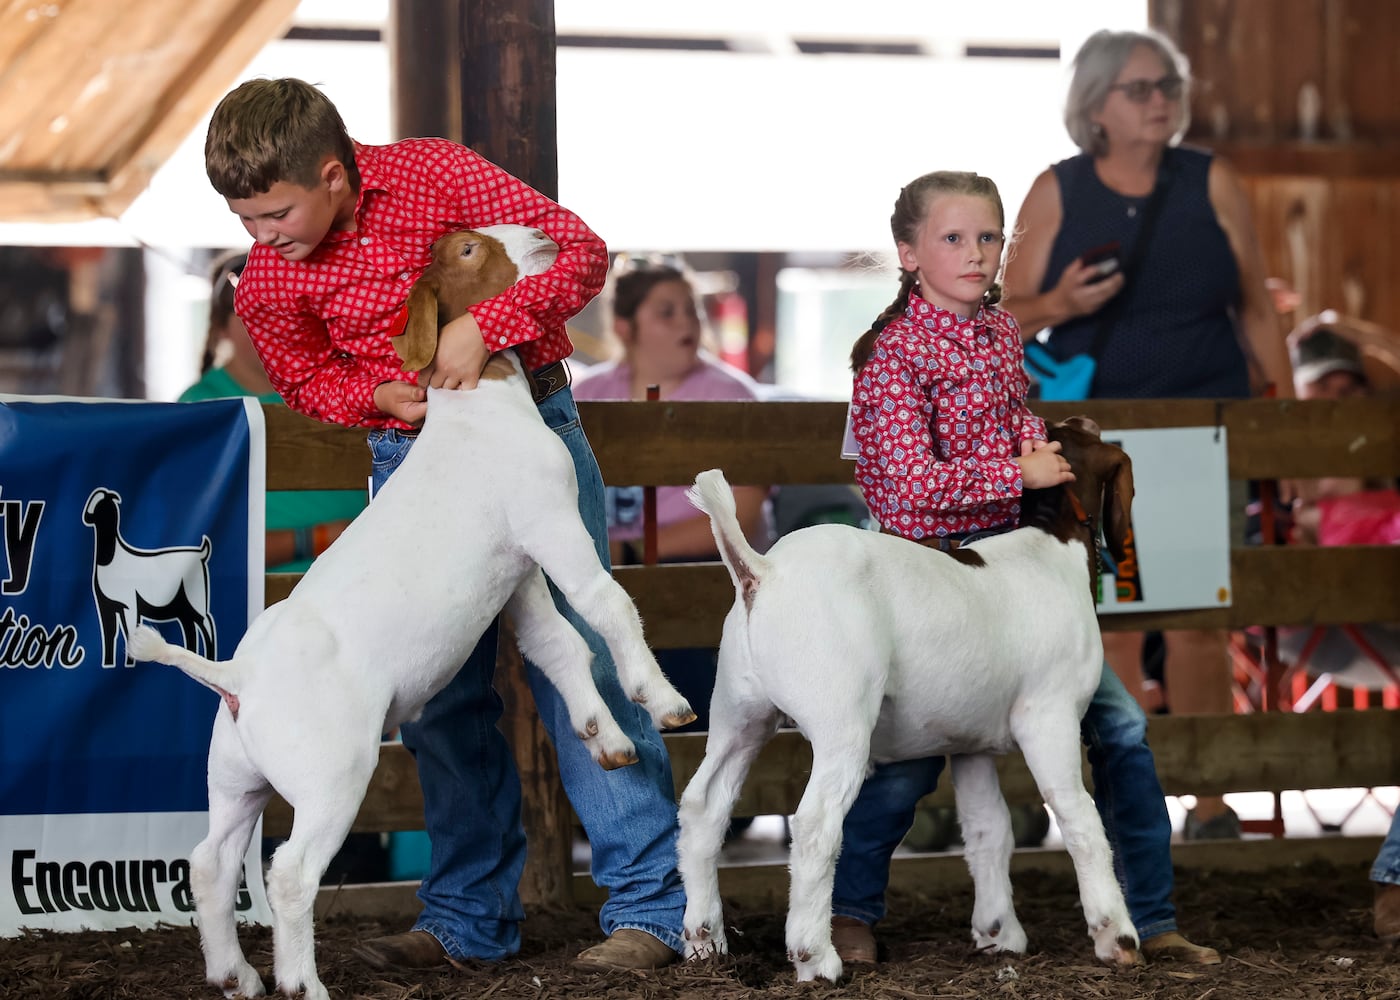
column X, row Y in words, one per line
column 1103, row 487
column 468, row 267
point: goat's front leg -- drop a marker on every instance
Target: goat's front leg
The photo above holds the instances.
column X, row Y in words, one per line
column 571, row 563
column 1049, row 740
column 738, row 731
column 563, row 656
column 840, row 759
column 986, row 827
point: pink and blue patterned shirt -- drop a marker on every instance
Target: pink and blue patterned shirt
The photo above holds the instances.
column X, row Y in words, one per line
column 939, row 413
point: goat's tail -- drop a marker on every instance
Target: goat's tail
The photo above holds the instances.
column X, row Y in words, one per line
column 711, row 494
column 146, row 644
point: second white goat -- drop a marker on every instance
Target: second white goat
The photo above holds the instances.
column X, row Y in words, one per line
column 383, row 620
column 882, row 650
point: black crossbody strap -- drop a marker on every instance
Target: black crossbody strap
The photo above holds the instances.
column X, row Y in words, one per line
column 1110, row 312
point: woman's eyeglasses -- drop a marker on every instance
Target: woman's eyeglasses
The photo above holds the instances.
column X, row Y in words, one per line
column 1140, row 91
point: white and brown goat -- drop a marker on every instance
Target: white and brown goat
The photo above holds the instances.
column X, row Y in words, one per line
column 384, row 618
column 881, row 650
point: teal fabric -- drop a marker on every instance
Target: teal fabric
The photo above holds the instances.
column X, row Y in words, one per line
column 1070, row 379
column 285, row 508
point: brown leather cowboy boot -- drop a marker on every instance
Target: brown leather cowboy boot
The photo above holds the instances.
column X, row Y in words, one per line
column 854, row 941
column 1172, row 947
column 626, row 948
column 1387, row 912
column 411, row 950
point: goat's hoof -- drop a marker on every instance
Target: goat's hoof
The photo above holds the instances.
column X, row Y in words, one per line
column 244, row 983
column 674, row 720
column 701, row 944
column 1115, row 946
column 620, row 758
column 810, row 964
column 1003, row 935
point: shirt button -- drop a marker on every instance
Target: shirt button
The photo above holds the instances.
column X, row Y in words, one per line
column 364, row 241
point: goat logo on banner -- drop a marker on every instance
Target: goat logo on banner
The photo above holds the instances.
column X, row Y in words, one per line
column 131, row 585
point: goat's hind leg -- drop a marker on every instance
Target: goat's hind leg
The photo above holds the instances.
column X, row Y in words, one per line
column 840, row 758
column 324, row 810
column 1051, row 749
column 737, row 732
column 986, row 827
column 571, row 563
column 563, row 656
column 237, row 795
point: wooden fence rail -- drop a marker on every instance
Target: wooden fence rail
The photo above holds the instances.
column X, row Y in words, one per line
column 795, row 443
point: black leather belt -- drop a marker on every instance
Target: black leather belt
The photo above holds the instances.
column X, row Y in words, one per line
column 546, row 381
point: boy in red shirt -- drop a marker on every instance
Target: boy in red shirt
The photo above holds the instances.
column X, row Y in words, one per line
column 342, row 232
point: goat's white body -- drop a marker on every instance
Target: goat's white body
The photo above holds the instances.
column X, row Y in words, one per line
column 379, row 624
column 881, row 650
column 948, row 676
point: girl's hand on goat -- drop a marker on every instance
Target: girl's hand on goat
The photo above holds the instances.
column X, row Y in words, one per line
column 461, row 355
column 403, row 400
column 1042, row 465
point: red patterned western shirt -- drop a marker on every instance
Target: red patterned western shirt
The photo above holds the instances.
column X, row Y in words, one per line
column 322, row 325
column 939, row 415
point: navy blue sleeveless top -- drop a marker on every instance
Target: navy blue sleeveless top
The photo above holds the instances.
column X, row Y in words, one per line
column 1175, row 333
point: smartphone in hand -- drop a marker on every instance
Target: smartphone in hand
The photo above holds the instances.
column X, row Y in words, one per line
column 1103, row 259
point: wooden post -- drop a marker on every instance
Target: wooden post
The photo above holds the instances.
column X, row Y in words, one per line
column 508, row 107
column 425, row 65
column 481, row 72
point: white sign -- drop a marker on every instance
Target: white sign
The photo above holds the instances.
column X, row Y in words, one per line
column 1181, row 522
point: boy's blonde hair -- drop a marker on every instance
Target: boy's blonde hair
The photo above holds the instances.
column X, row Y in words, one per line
column 265, row 131
column 910, row 209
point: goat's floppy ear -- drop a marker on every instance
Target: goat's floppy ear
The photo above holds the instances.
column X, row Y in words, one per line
column 1118, row 504
column 418, row 342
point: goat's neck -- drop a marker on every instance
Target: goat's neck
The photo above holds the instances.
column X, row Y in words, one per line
column 1061, row 514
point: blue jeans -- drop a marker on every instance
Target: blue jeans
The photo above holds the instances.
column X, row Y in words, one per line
column 471, row 791
column 1126, row 791
column 1387, row 866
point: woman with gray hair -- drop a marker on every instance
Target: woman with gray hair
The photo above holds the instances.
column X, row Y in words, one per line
column 1142, row 253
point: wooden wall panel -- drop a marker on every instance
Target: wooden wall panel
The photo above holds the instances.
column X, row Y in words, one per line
column 1253, row 59
column 1299, row 95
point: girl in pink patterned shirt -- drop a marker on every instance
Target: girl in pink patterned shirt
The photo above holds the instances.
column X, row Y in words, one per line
column 946, row 443
column 946, row 446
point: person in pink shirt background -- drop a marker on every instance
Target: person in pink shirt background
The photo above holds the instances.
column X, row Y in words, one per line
column 657, row 324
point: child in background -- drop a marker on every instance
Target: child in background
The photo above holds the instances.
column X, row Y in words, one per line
column 301, row 524
column 342, row 232
column 656, row 321
column 946, row 447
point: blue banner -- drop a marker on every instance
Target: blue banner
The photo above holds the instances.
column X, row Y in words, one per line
column 115, row 514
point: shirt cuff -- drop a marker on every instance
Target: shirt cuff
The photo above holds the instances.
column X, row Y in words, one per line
column 359, row 397
column 500, row 326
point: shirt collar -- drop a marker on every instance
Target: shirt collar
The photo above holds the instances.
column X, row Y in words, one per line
column 373, row 179
column 941, row 321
